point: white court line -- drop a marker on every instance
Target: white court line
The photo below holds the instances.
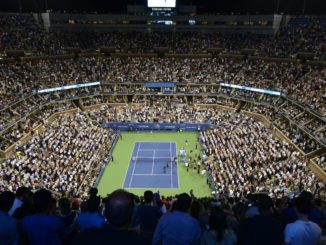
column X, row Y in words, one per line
column 152, row 188
column 176, row 148
column 152, row 174
column 152, row 158
column 166, row 142
column 153, row 162
column 133, row 171
column 132, row 153
column 152, row 150
column 170, row 157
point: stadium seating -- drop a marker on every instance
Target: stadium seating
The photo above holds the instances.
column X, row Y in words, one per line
column 265, row 151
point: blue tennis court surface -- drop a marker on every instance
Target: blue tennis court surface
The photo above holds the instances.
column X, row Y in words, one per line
column 152, row 165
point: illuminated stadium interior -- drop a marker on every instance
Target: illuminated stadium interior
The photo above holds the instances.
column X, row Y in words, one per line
column 159, row 109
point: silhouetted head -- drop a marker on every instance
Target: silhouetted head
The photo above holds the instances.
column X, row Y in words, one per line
column 119, row 208
column 65, row 206
column 42, row 200
column 93, row 204
column 264, row 203
column 303, row 204
column 22, row 191
column 183, row 202
column 93, row 192
column 148, row 196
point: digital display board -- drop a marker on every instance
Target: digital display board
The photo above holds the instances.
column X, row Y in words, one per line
column 84, row 85
column 258, row 90
column 161, row 3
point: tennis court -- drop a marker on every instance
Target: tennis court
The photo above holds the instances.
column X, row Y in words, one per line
column 152, row 165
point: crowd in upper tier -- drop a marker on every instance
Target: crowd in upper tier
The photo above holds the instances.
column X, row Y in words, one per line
column 301, row 34
column 304, row 83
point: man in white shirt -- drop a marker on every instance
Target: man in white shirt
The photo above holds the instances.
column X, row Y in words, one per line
column 302, row 231
column 187, row 166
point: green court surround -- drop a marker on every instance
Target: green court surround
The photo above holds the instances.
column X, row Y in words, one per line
column 114, row 174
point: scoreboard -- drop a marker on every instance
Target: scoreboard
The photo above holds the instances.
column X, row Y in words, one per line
column 161, row 3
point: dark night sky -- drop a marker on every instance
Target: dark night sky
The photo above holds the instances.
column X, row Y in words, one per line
column 218, row 6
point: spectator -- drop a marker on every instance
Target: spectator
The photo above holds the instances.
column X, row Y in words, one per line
column 148, row 214
column 315, row 214
column 8, row 226
column 21, row 194
column 219, row 233
column 91, row 218
column 262, row 228
column 43, row 227
column 302, row 231
column 69, row 219
column 119, row 210
column 253, row 209
column 178, row 227
column 27, row 208
column 93, row 193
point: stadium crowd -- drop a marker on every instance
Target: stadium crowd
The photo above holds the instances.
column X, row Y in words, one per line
column 304, row 83
column 248, row 158
column 28, row 124
column 45, row 185
column 159, row 109
column 57, row 143
column 66, row 157
column 301, row 34
column 123, row 218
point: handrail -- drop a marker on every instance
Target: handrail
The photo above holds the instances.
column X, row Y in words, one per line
column 306, row 108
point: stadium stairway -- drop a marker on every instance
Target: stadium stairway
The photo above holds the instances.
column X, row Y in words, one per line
column 78, row 104
column 239, row 106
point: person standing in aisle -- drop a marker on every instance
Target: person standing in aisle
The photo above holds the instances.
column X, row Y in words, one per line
column 187, row 166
